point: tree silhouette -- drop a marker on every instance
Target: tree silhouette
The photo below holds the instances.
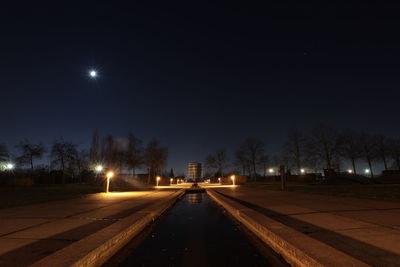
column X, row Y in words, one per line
column 368, row 144
column 94, row 153
column 30, row 152
column 350, row 147
column 252, row 150
column 217, row 161
column 382, row 149
column 155, row 157
column 294, row 149
column 63, row 154
column 324, row 144
column 134, row 154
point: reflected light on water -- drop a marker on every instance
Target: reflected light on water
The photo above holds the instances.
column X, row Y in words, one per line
column 195, row 198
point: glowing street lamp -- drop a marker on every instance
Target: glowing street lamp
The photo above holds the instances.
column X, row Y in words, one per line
column 233, row 179
column 350, row 171
column 367, row 171
column 302, row 171
column 99, row 168
column 109, row 175
column 271, row 170
column 219, row 180
column 171, row 181
column 158, row 179
column 9, row 166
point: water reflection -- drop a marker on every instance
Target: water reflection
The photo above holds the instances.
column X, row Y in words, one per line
column 195, row 198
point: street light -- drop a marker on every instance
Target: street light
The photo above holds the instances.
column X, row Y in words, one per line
column 99, row 168
column 271, row 170
column 158, row 179
column 233, row 179
column 219, row 180
column 350, row 171
column 109, row 175
column 367, row 171
column 170, row 181
column 302, row 171
column 9, row 166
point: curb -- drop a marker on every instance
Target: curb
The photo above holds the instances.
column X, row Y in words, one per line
column 296, row 248
column 96, row 249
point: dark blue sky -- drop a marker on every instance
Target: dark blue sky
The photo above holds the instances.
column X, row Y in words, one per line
column 197, row 76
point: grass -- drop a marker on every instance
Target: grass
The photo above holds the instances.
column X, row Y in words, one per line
column 389, row 192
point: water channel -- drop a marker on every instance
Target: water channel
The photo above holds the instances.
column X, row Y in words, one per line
column 196, row 232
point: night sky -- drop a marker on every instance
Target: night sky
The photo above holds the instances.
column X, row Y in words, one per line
column 196, row 75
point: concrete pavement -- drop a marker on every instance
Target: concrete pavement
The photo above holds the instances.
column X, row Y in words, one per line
column 328, row 230
column 29, row 234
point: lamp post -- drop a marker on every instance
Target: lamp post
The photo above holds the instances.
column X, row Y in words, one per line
column 110, row 174
column 158, row 179
column 233, row 179
column 219, row 180
column 171, row 181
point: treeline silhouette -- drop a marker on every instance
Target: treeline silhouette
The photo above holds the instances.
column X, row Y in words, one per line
column 323, row 149
column 67, row 164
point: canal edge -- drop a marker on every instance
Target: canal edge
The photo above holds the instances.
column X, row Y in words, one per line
column 293, row 254
column 99, row 247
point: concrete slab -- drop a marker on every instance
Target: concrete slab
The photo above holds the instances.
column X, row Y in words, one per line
column 33, row 232
column 11, row 225
column 366, row 230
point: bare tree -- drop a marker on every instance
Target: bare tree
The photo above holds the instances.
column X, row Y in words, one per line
column 368, row 144
column 63, row 154
column 217, row 161
column 350, row 147
column 94, row 153
column 30, row 152
column 382, row 149
column 81, row 161
column 262, row 163
column 155, row 157
column 134, row 155
column 252, row 149
column 242, row 162
column 294, row 149
column 324, row 144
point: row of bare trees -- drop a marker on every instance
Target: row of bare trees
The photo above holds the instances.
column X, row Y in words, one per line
column 128, row 153
column 323, row 148
column 120, row 154
column 326, row 148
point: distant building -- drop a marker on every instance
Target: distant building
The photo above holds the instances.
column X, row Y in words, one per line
column 194, row 171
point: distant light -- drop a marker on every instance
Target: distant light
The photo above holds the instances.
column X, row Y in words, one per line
column 93, row 74
column 367, row 171
column 9, row 166
column 233, row 179
column 302, row 170
column 99, row 168
column 350, row 171
column 270, row 170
